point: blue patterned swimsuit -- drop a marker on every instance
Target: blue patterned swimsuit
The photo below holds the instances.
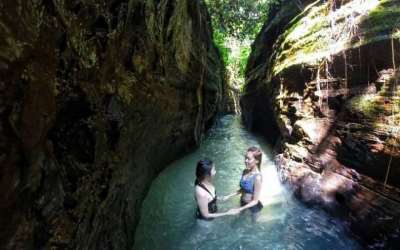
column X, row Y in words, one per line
column 247, row 186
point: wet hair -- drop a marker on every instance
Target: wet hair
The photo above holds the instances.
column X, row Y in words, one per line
column 257, row 155
column 203, row 169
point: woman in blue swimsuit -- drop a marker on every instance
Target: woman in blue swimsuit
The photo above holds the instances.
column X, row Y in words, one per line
column 250, row 183
column 205, row 194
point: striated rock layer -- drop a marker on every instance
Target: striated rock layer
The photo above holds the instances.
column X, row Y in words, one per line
column 96, row 97
column 324, row 83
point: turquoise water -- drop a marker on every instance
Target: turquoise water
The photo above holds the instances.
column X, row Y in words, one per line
column 167, row 219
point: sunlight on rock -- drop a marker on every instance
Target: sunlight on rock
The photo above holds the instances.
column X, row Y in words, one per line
column 313, row 129
column 331, row 184
column 318, row 35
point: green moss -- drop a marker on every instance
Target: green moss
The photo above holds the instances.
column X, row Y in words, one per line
column 317, row 33
column 367, row 105
column 302, row 38
column 20, row 33
column 125, row 84
column 86, row 49
column 381, row 21
column 181, row 32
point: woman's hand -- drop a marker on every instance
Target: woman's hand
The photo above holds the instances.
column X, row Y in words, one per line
column 223, row 198
column 233, row 211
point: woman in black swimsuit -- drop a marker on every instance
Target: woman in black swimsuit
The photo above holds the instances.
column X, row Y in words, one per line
column 205, row 194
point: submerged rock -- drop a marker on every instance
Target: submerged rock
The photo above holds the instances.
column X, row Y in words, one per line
column 328, row 77
column 96, row 97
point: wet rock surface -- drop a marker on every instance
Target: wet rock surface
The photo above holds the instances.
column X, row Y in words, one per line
column 96, row 97
column 334, row 97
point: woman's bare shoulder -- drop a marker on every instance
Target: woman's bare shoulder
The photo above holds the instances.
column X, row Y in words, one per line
column 200, row 191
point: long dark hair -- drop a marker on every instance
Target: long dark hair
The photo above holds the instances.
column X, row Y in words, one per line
column 203, row 169
column 257, row 155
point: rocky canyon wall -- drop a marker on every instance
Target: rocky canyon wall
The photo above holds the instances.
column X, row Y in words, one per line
column 323, row 84
column 96, row 97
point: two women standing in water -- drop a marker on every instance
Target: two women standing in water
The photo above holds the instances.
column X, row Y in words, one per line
column 250, row 187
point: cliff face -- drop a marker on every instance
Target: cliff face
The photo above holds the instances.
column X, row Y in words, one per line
column 329, row 80
column 95, row 98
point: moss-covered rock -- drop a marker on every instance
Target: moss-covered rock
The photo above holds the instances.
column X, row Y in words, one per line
column 327, row 79
column 319, row 33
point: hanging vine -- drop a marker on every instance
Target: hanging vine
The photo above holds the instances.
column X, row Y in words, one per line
column 392, row 122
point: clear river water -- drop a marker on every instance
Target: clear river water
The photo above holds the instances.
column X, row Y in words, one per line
column 167, row 219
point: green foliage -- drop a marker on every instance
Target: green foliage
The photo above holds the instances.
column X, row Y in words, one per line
column 244, row 55
column 241, row 19
column 219, row 40
column 236, row 23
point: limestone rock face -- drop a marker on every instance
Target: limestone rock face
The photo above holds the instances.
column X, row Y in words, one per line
column 96, row 97
column 328, row 76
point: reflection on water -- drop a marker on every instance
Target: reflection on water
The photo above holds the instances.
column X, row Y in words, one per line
column 167, row 220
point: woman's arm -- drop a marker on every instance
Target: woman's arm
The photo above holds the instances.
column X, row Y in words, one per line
column 256, row 194
column 202, row 202
column 227, row 197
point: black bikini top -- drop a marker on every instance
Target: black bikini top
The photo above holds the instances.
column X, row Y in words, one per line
column 212, row 205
